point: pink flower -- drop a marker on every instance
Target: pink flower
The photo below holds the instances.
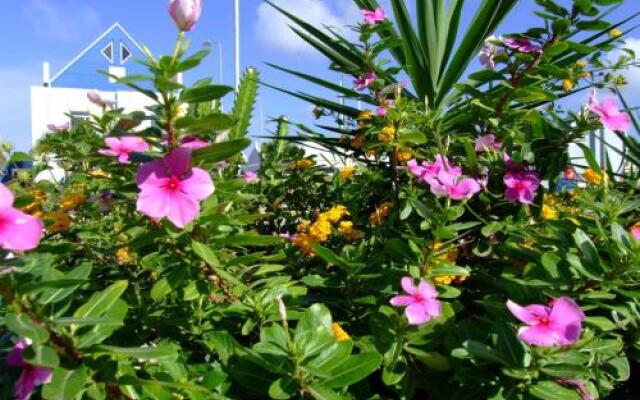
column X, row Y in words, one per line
column 382, row 109
column 486, row 143
column 580, row 387
column 560, row 323
column 444, row 179
column 123, row 146
column 96, row 98
column 170, row 188
column 521, row 186
column 60, row 127
column 18, row 231
column 364, row 81
column 635, row 231
column 422, row 302
column 609, row 114
column 193, row 143
column 489, row 52
column 185, row 13
column 31, row 376
column 373, row 17
column 250, row 177
column 522, row 45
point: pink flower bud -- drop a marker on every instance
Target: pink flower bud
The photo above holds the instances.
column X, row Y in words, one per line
column 185, row 13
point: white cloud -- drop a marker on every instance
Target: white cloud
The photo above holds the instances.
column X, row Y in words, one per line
column 53, row 22
column 273, row 31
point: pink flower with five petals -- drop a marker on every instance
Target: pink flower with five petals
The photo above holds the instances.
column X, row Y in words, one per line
column 609, row 114
column 123, row 146
column 560, row 323
column 522, row 45
column 364, row 81
column 170, row 188
column 521, row 186
column 487, row 143
column 422, row 302
column 18, row 231
column 373, row 17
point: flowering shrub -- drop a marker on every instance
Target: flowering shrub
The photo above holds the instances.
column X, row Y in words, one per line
column 455, row 255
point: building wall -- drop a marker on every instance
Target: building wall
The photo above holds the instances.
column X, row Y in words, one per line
column 49, row 105
column 600, row 150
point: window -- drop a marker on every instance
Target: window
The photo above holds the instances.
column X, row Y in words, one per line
column 125, row 53
column 78, row 116
column 118, row 72
column 107, row 52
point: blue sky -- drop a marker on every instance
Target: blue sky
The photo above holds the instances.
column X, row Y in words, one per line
column 57, row 30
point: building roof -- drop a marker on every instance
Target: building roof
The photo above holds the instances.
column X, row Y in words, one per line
column 113, row 51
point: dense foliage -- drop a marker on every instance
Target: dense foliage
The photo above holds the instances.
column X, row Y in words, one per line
column 457, row 253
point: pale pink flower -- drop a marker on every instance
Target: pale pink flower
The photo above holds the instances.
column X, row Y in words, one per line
column 609, row 114
column 364, row 81
column 31, row 376
column 185, row 13
column 18, row 231
column 373, row 17
column 383, row 108
column 57, row 128
column 422, row 302
column 560, row 323
column 123, row 146
column 521, row 186
column 170, row 188
column 250, row 177
column 489, row 52
column 193, row 143
column 96, row 98
column 487, row 143
column 522, row 45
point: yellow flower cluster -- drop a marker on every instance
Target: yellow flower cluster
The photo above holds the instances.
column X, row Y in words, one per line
column 60, row 221
column 364, row 119
column 548, row 212
column 320, row 230
column 339, row 333
column 387, row 134
column 34, row 208
column 592, row 177
column 71, row 200
column 349, row 232
column 123, row 255
column 346, row 173
column 303, row 163
column 403, row 154
column 381, row 213
column 451, row 255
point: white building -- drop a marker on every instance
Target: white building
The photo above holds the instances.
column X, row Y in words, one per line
column 66, row 92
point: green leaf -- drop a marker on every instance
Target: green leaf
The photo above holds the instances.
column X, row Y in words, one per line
column 23, row 326
column 244, row 103
column 283, row 388
column 66, row 384
column 75, row 278
column 141, row 353
column 41, row 355
column 323, row 393
column 353, row 370
column 201, row 94
column 215, row 122
column 100, row 332
column 217, row 152
column 101, row 302
column 249, row 240
column 209, row 256
column 482, row 351
column 549, row 390
column 532, row 94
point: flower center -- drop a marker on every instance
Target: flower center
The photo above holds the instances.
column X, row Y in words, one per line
column 173, row 184
column 520, row 185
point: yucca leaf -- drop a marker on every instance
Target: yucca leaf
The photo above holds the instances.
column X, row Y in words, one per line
column 320, row 102
column 244, row 103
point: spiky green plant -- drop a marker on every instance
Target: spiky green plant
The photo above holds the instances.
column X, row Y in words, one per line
column 244, row 103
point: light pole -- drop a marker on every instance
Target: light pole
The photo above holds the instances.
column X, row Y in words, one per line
column 210, row 43
column 236, row 41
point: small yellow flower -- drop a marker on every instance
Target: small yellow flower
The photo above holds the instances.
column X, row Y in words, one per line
column 98, row 173
column 303, row 242
column 380, row 214
column 548, row 212
column 451, row 255
column 357, row 142
column 346, row 173
column 403, row 154
column 123, row 255
column 320, row 230
column 567, row 85
column 60, row 221
column 38, row 198
column 615, row 33
column 335, row 213
column 71, row 200
column 364, row 119
column 304, row 163
column 582, row 63
column 387, row 134
column 592, row 177
column 182, row 110
column 449, row 279
column 339, row 333
column 349, row 232
column 586, row 75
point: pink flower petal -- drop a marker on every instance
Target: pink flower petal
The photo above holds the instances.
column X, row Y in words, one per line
column 198, row 184
column 426, row 290
column 530, row 315
column 567, row 317
column 401, row 301
column 6, row 197
column 538, row 335
column 178, row 161
column 182, row 209
column 407, row 285
column 417, row 314
column 19, row 231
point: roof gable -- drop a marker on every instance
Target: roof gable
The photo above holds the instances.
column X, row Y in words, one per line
column 113, row 51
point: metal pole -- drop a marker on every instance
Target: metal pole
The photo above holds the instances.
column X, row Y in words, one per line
column 236, row 39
